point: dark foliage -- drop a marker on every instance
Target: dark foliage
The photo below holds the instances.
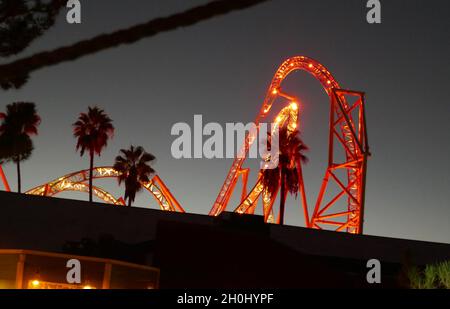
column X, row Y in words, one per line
column 92, row 131
column 22, row 21
column 20, row 121
column 134, row 166
column 15, row 74
column 285, row 175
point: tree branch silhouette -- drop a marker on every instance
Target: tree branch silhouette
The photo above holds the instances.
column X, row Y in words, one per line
column 16, row 73
column 23, row 21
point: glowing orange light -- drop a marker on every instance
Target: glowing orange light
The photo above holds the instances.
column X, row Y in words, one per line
column 72, row 182
column 87, row 287
column 352, row 141
column 275, row 91
column 35, row 283
column 294, row 106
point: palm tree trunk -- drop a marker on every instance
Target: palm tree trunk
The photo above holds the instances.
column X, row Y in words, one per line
column 129, row 202
column 282, row 199
column 91, row 172
column 19, row 180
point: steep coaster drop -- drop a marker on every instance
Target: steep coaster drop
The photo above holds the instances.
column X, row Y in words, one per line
column 347, row 132
column 343, row 211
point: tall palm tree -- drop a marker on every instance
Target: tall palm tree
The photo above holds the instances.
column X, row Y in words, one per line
column 285, row 175
column 92, row 131
column 20, row 122
column 134, row 167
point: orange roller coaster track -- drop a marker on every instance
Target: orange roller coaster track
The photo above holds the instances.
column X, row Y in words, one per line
column 4, row 179
column 341, row 208
column 344, row 209
column 78, row 182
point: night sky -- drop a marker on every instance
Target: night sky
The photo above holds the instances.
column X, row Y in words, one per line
column 221, row 68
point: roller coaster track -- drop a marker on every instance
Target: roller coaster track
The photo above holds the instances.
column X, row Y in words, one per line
column 77, row 181
column 346, row 131
column 341, row 210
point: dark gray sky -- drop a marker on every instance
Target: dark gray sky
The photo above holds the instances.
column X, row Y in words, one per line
column 221, row 69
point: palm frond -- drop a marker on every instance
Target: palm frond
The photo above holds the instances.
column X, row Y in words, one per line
column 93, row 130
column 134, row 169
column 18, row 123
column 291, row 149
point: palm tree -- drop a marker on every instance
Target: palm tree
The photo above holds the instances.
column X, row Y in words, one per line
column 92, row 131
column 19, row 123
column 134, row 167
column 285, row 175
